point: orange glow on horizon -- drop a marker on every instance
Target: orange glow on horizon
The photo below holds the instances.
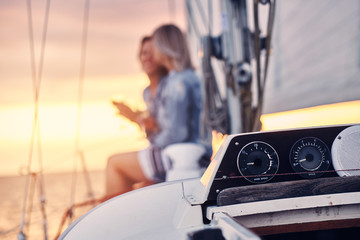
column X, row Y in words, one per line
column 331, row 114
column 102, row 131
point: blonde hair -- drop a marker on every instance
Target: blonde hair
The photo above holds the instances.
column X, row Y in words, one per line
column 171, row 42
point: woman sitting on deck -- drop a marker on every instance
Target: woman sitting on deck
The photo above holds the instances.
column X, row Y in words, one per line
column 175, row 105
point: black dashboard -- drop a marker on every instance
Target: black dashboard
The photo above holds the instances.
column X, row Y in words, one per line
column 277, row 156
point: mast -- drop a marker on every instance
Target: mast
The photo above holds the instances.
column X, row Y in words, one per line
column 236, row 55
column 244, row 55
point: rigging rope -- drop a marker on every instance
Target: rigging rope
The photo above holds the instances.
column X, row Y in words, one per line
column 36, row 79
column 257, row 47
column 262, row 80
column 31, row 198
column 215, row 109
column 78, row 152
column 35, row 135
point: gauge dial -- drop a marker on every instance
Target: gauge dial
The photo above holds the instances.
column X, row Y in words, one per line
column 258, row 162
column 310, row 156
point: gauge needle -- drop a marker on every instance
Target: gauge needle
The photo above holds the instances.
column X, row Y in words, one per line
column 250, row 163
column 302, row 160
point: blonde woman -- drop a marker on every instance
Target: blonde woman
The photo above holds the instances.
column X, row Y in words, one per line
column 180, row 98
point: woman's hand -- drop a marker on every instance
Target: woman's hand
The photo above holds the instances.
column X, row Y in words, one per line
column 142, row 118
column 126, row 111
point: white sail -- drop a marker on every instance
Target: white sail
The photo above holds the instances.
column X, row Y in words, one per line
column 315, row 54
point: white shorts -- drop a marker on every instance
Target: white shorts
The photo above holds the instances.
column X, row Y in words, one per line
column 152, row 164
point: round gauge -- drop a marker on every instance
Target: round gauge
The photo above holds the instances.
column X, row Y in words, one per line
column 310, row 156
column 258, row 162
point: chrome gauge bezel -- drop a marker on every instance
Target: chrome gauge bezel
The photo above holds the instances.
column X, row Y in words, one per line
column 310, row 157
column 267, row 162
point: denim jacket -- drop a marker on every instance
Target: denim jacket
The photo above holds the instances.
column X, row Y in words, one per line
column 177, row 108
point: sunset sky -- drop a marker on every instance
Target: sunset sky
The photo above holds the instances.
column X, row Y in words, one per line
column 112, row 71
column 114, row 30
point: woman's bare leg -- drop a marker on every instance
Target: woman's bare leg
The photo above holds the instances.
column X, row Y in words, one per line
column 142, row 184
column 122, row 172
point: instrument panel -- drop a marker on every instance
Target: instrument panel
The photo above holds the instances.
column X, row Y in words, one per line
column 277, row 156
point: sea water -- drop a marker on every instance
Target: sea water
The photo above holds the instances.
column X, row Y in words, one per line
column 58, row 199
